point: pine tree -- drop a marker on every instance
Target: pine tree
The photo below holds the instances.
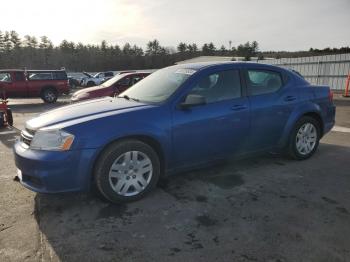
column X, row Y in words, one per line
column 15, row 40
column 2, row 43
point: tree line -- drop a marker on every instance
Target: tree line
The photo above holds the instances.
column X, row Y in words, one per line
column 32, row 53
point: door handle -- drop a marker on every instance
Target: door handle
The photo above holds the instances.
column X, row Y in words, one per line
column 238, row 107
column 289, row 98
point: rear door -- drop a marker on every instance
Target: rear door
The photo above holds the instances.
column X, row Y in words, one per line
column 272, row 99
column 216, row 129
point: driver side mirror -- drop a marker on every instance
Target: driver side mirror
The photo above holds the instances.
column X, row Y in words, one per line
column 193, row 100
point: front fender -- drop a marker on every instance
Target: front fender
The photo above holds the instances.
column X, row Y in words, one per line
column 295, row 115
column 98, row 133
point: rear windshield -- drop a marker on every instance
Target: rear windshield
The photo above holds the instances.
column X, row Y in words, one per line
column 55, row 75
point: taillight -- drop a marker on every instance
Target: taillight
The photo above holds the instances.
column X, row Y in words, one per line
column 330, row 96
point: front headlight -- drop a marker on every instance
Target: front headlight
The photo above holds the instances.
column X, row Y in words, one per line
column 52, row 140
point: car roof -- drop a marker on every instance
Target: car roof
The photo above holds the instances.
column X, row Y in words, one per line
column 45, row 71
column 135, row 73
column 21, row 70
column 11, row 70
column 203, row 65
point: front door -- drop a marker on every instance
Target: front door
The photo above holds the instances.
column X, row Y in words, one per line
column 20, row 83
column 215, row 129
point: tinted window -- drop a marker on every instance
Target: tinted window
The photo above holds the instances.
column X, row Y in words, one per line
column 55, row 75
column 59, row 75
column 39, row 76
column 19, row 76
column 219, row 86
column 263, row 82
column 135, row 79
column 124, row 82
column 109, row 74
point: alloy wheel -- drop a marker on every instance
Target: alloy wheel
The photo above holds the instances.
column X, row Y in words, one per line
column 130, row 173
column 306, row 138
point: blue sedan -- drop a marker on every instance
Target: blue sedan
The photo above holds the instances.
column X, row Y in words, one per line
column 177, row 118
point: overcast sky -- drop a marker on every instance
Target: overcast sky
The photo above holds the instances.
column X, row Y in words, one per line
column 275, row 24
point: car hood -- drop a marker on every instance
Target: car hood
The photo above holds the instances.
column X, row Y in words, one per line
column 83, row 111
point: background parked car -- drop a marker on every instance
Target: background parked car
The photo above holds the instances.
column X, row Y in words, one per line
column 94, row 80
column 111, row 87
column 73, row 82
column 47, row 84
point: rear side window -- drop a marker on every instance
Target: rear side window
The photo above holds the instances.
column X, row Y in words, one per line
column 219, row 86
column 39, row 76
column 59, row 75
column 263, row 82
column 55, row 75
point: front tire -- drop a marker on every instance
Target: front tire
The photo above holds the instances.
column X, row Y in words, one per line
column 304, row 139
column 126, row 171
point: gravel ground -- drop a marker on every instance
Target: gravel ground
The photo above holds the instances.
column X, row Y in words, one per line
column 262, row 208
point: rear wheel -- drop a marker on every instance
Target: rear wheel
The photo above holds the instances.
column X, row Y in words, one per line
column 305, row 138
column 126, row 171
column 49, row 95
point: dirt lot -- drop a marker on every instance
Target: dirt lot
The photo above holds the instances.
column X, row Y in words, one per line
column 264, row 208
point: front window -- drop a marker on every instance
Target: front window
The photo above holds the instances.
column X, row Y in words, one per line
column 5, row 77
column 160, row 85
column 124, row 82
column 220, row 86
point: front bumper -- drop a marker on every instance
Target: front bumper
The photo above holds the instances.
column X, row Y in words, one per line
column 54, row 171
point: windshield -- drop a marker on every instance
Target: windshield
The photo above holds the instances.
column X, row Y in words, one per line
column 112, row 81
column 98, row 75
column 160, row 85
column 87, row 74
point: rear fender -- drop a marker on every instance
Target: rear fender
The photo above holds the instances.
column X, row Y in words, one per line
column 298, row 112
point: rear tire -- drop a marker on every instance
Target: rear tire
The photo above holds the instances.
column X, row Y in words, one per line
column 126, row 171
column 49, row 95
column 304, row 139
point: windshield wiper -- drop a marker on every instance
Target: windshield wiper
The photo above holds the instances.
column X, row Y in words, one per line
column 129, row 98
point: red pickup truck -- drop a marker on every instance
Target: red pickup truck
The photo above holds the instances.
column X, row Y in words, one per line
column 47, row 84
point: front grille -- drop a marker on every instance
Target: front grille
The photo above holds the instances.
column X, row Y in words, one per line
column 27, row 136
